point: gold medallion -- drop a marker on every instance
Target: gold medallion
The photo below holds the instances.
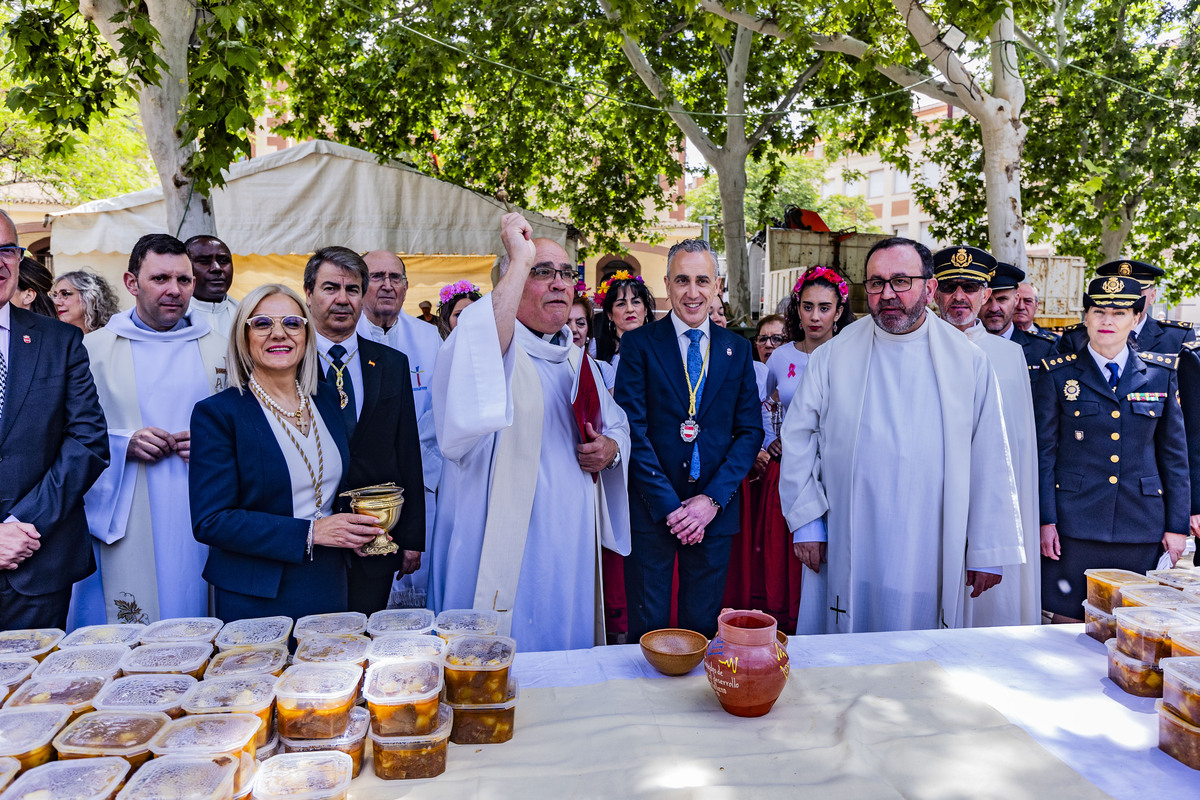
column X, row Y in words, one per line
column 962, row 258
column 1113, row 285
column 1125, row 269
column 1071, row 389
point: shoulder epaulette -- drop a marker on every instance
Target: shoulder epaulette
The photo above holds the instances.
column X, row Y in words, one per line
column 1040, row 334
column 1078, row 326
column 1162, row 359
column 1176, row 323
column 1194, row 345
column 1059, row 361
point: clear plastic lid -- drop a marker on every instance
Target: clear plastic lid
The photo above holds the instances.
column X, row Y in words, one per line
column 356, row 731
column 271, row 747
column 1154, row 594
column 75, row 779
column 1184, row 672
column 333, row 649
column 182, row 657
column 181, row 778
column 514, row 693
column 1127, row 661
column 341, row 622
column 453, row 622
column 440, row 734
column 304, row 776
column 1187, row 637
column 400, row 620
column 248, row 661
column 1114, row 577
column 1178, row 578
column 236, row 694
column 100, row 659
column 15, row 670
column 145, row 693
column 395, row 682
column 327, row 682
column 406, row 647
column 206, row 733
column 30, row 727
column 127, row 635
column 1149, row 620
column 78, row 692
column 182, row 629
column 1088, row 608
column 257, row 632
column 9, row 767
column 470, row 652
column 31, row 642
column 110, row 733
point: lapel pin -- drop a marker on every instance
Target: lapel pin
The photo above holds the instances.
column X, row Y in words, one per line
column 728, row 351
column 372, row 363
column 26, row 339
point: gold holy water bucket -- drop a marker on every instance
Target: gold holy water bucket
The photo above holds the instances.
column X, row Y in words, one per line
column 383, row 502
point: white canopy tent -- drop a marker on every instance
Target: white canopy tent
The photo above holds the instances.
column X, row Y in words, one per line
column 277, row 208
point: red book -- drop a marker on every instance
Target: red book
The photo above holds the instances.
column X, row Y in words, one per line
column 587, row 404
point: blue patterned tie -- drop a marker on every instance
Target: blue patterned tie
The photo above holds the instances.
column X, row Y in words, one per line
column 695, row 367
column 1113, row 374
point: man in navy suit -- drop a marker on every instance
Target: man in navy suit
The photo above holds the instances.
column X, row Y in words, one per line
column 53, row 446
column 376, row 399
column 688, row 388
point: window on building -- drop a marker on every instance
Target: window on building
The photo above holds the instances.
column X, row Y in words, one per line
column 854, row 186
column 875, row 183
column 899, row 230
column 926, row 237
column 932, row 173
column 901, row 182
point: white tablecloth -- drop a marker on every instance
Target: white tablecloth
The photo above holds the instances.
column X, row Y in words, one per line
column 1050, row 680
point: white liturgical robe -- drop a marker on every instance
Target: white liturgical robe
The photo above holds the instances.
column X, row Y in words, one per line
column 508, row 434
column 1017, row 600
column 892, row 439
column 218, row 316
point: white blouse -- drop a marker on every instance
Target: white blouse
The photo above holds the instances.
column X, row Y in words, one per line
column 303, row 496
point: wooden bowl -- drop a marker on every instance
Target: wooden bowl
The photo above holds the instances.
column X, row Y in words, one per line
column 673, row 651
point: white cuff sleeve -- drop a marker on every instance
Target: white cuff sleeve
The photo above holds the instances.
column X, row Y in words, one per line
column 811, row 532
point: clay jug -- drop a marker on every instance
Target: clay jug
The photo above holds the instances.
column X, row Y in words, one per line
column 745, row 664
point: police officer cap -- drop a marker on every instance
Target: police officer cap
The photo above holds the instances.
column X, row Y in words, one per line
column 963, row 263
column 1114, row 292
column 1143, row 273
column 1006, row 276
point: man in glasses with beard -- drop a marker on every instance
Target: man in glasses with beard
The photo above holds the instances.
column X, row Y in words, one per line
column 895, row 432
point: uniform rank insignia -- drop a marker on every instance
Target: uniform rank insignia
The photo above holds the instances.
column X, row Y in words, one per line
column 1071, row 390
column 1079, row 436
column 1135, row 397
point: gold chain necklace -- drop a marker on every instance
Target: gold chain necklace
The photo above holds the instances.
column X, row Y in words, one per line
column 343, row 398
column 316, row 476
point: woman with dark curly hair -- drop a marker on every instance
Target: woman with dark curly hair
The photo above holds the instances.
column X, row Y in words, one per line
column 581, row 321
column 627, row 304
column 452, row 299
column 84, row 299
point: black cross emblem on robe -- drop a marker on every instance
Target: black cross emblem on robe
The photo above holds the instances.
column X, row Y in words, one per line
column 837, row 609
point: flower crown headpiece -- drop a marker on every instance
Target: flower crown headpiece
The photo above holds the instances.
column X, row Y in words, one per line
column 619, row 275
column 813, row 273
column 581, row 289
column 452, row 290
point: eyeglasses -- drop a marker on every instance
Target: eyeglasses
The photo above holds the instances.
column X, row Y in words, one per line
column 547, row 274
column 899, row 283
column 775, row 340
column 384, row 277
column 10, row 252
column 968, row 287
column 265, row 323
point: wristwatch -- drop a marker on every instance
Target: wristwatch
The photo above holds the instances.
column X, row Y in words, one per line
column 616, row 462
column 716, row 505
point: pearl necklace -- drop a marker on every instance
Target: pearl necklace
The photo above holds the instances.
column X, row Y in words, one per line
column 297, row 415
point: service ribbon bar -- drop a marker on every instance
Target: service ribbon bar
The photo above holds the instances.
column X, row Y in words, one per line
column 1135, row 397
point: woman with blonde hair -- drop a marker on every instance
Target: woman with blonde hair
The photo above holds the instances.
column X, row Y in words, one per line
column 268, row 455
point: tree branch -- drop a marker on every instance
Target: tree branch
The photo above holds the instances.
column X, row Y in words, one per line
column 784, row 104
column 735, row 91
column 928, row 38
column 1049, row 61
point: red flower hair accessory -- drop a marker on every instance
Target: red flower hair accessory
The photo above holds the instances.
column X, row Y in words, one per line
column 814, row 273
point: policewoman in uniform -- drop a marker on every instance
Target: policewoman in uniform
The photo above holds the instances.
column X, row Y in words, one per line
column 1149, row 335
column 1111, row 452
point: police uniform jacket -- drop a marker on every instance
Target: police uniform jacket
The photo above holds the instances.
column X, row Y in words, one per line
column 1113, row 466
column 1038, row 346
column 1157, row 336
column 1189, row 397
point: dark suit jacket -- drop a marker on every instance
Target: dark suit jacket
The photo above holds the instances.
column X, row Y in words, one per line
column 1113, row 465
column 1037, row 347
column 53, row 446
column 652, row 389
column 1167, row 336
column 386, row 448
column 1189, row 397
column 241, row 497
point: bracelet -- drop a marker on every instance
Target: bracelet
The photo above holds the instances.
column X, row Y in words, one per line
column 309, row 549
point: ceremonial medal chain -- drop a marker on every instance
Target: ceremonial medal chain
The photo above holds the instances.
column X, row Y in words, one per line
column 689, row 429
column 316, row 476
column 343, row 398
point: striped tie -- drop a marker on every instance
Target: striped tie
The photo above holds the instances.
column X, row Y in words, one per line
column 3, row 382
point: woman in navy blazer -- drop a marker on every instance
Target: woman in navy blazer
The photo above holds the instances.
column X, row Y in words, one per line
column 271, row 553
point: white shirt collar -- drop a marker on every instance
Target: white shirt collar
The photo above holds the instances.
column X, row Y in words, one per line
column 351, row 345
column 1008, row 332
column 1121, row 360
column 6, row 316
column 1137, row 329
column 682, row 327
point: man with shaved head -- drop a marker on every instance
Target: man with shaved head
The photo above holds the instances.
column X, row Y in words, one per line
column 533, row 484
column 383, row 320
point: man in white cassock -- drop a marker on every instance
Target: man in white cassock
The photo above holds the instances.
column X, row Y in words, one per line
column 526, row 501
column 212, row 275
column 895, row 466
column 151, row 364
column 966, row 277
column 384, row 321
